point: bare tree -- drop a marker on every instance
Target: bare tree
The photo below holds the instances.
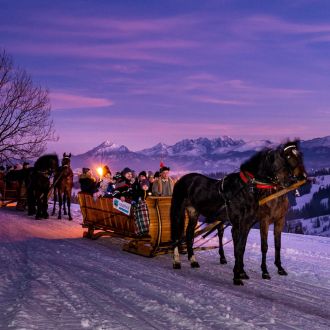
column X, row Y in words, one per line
column 25, row 123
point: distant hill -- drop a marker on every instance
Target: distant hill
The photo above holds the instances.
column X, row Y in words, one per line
column 222, row 154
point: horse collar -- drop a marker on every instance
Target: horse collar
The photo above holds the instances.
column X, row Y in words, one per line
column 248, row 177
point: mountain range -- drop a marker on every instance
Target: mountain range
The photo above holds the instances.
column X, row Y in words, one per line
column 222, row 154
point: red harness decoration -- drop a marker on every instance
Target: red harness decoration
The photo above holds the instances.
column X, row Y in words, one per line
column 247, row 176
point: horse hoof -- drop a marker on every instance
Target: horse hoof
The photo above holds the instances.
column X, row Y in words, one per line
column 38, row 218
column 266, row 276
column 238, row 281
column 282, row 272
column 59, row 218
column 244, row 276
column 46, row 216
column 223, row 261
column 176, row 265
column 70, row 218
column 194, row 264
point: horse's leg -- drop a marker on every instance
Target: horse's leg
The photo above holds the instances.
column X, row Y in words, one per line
column 44, row 202
column 264, row 226
column 223, row 259
column 177, row 232
column 176, row 258
column 39, row 205
column 190, row 234
column 278, row 227
column 239, row 237
column 31, row 201
column 69, row 204
column 64, row 202
column 59, row 204
column 55, row 200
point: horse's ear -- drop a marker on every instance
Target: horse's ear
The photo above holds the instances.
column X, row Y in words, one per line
column 69, row 155
column 64, row 155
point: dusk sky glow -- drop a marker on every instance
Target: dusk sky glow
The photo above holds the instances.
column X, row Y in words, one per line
column 142, row 72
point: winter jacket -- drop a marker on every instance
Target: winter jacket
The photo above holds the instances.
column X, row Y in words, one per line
column 88, row 184
column 157, row 187
column 123, row 188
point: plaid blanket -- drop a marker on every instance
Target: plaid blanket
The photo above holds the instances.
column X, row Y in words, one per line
column 141, row 216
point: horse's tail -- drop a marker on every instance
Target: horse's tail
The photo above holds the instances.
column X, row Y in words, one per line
column 177, row 212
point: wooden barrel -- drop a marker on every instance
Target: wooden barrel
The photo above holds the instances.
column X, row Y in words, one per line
column 99, row 214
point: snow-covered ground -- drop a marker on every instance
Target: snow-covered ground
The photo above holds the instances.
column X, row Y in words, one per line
column 52, row 278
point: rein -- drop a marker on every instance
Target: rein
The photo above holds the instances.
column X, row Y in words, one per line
column 248, row 177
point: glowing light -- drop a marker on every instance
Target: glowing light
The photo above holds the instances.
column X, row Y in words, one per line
column 99, row 170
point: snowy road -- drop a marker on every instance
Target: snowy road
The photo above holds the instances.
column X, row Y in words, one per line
column 52, row 278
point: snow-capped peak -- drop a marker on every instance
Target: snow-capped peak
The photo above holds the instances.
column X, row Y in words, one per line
column 108, row 147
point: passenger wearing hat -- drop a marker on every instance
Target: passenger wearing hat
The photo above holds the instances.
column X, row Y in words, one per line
column 141, row 187
column 151, row 179
column 123, row 186
column 87, row 182
column 142, row 175
column 141, row 190
column 106, row 184
column 164, row 185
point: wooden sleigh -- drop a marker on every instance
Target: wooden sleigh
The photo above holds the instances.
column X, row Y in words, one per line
column 9, row 192
column 101, row 218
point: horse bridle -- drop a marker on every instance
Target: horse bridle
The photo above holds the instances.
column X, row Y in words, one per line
column 291, row 160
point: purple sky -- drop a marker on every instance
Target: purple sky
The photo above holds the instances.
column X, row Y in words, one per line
column 141, row 72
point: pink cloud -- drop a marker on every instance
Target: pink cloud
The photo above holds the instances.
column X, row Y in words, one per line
column 206, row 99
column 62, row 101
column 119, row 52
column 271, row 23
column 128, row 26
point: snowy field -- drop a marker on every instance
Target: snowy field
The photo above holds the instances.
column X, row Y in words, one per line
column 52, row 278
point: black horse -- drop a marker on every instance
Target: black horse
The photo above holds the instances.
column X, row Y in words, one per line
column 234, row 198
column 274, row 211
column 63, row 183
column 38, row 185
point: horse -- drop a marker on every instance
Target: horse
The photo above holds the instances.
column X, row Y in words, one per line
column 232, row 198
column 63, row 183
column 38, row 185
column 274, row 212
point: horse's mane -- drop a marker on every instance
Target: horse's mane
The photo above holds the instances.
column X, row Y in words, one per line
column 253, row 163
column 44, row 160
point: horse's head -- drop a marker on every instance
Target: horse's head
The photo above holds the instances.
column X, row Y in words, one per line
column 47, row 163
column 281, row 166
column 289, row 164
column 66, row 161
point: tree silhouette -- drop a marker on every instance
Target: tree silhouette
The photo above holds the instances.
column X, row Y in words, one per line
column 25, row 123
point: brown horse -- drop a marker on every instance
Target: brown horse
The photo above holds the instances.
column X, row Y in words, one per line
column 273, row 212
column 63, row 183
